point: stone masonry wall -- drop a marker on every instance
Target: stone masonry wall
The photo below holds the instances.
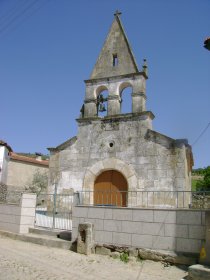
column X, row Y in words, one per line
column 159, row 162
column 173, row 230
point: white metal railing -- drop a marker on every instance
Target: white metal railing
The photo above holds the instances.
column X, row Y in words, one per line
column 146, row 199
column 54, row 211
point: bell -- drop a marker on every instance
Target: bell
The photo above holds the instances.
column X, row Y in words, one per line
column 101, row 108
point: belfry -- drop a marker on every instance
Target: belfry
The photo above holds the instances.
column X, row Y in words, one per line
column 115, row 70
column 115, row 151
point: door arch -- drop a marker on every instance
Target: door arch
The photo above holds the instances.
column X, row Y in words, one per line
column 110, row 189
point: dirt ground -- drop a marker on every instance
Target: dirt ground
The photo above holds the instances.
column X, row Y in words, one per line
column 21, row 260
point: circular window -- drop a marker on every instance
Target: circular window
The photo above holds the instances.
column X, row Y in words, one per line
column 111, row 144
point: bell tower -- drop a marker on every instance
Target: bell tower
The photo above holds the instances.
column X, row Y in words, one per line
column 115, row 70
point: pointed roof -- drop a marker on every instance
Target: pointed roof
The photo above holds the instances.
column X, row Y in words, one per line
column 116, row 57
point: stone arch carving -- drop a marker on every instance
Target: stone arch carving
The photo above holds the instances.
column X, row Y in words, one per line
column 110, row 164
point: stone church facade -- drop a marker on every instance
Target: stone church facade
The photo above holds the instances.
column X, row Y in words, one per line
column 119, row 149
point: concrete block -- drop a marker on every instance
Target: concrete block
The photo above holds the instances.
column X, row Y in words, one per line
column 197, row 232
column 24, row 228
column 111, row 225
column 164, row 243
column 165, row 216
column 122, row 239
column 28, row 212
column 14, row 219
column 27, row 220
column 103, row 237
column 29, row 203
column 141, row 241
column 122, row 214
column 98, row 224
column 9, row 227
column 96, row 212
column 107, row 214
column 75, row 222
column 176, row 230
column 132, row 227
column 188, row 245
column 153, row 228
column 79, row 211
column 188, row 217
column 10, row 209
column 143, row 215
column 82, row 220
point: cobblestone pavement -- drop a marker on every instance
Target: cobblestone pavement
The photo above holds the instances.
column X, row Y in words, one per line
column 26, row 261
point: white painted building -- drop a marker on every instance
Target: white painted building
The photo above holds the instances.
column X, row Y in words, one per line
column 5, row 151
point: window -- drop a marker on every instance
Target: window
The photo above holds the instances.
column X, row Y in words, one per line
column 115, row 60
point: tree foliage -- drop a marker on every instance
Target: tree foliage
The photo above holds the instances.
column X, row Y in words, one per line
column 204, row 185
column 38, row 184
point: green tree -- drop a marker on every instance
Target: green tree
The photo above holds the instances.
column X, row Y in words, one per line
column 204, row 185
column 38, row 184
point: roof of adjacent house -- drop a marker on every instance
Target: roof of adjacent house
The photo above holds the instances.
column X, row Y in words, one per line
column 26, row 159
column 3, row 143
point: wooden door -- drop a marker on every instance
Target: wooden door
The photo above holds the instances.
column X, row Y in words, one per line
column 110, row 188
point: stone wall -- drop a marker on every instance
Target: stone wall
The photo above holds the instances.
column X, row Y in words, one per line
column 173, row 230
column 18, row 218
column 157, row 162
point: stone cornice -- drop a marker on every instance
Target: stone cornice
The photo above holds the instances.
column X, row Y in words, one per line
column 114, row 78
column 90, row 100
column 142, row 94
column 113, row 97
column 119, row 117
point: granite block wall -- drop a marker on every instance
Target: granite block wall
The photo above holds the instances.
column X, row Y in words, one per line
column 162, row 229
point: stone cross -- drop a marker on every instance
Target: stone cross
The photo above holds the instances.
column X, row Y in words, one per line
column 117, row 13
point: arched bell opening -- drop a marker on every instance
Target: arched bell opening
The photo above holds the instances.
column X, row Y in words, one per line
column 102, row 101
column 111, row 189
column 126, row 98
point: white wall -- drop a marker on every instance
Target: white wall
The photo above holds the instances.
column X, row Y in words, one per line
column 18, row 218
column 4, row 158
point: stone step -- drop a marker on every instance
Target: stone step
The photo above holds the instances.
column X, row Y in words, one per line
column 45, row 240
column 62, row 234
column 44, row 231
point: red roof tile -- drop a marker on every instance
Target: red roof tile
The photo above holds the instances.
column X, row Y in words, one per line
column 17, row 157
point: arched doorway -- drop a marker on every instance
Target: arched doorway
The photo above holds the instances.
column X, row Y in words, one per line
column 110, row 189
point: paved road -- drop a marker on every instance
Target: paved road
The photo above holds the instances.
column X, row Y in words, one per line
column 25, row 261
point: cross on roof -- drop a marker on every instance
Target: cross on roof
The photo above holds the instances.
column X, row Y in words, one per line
column 117, row 13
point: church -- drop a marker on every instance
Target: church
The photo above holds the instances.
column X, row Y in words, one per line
column 114, row 152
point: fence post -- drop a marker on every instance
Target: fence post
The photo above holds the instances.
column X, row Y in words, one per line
column 54, row 205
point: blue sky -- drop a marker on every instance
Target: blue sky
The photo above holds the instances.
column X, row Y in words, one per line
column 49, row 47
